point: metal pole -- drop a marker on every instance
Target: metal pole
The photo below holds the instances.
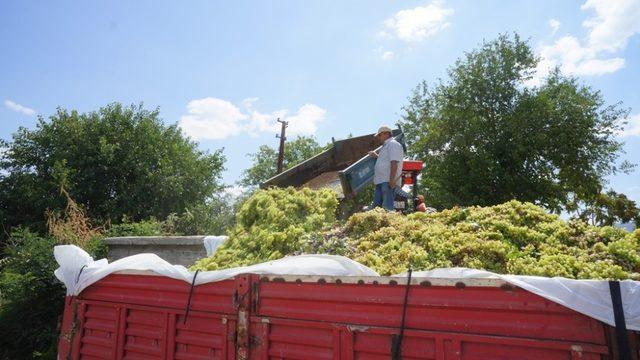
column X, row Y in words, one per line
column 281, row 150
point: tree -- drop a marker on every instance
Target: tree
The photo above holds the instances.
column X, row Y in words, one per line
column 264, row 160
column 115, row 162
column 610, row 208
column 486, row 137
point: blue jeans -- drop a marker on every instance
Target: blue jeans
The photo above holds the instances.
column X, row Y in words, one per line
column 383, row 196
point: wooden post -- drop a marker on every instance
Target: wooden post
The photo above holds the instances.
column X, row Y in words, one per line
column 281, row 150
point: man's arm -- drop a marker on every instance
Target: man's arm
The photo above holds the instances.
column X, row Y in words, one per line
column 392, row 173
column 374, row 154
column 396, row 154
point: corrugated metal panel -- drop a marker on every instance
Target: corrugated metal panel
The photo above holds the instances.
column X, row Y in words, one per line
column 163, row 292
column 99, row 332
column 249, row 317
column 481, row 310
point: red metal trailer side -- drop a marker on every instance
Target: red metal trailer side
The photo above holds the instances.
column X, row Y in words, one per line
column 126, row 316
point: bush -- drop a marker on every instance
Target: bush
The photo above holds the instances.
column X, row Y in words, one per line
column 212, row 218
column 31, row 298
column 151, row 227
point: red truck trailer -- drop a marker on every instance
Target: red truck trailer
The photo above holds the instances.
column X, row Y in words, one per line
column 144, row 316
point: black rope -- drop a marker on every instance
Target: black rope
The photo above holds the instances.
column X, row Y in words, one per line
column 186, row 311
column 624, row 352
column 396, row 350
column 80, row 272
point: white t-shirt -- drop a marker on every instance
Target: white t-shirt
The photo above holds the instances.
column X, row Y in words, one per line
column 390, row 151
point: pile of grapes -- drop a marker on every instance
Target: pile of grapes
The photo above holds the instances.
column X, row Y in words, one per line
column 511, row 238
column 271, row 224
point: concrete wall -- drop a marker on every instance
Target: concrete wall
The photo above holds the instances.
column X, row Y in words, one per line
column 179, row 250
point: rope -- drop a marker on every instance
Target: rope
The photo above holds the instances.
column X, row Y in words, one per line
column 186, row 311
column 397, row 344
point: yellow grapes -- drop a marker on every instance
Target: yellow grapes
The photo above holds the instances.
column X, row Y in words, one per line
column 514, row 238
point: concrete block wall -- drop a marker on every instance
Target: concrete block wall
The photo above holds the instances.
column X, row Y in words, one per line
column 179, row 250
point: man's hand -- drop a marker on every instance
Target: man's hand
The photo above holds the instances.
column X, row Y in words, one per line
column 373, row 153
column 392, row 184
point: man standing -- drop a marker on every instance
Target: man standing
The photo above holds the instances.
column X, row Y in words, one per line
column 388, row 168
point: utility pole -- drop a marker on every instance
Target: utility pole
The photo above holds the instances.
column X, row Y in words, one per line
column 282, row 139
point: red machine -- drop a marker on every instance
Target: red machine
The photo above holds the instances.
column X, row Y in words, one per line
column 304, row 317
column 410, row 171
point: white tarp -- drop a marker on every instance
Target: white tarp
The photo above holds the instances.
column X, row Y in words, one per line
column 591, row 297
column 211, row 243
column 78, row 270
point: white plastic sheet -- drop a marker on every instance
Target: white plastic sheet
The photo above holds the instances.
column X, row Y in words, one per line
column 589, row 297
column 211, row 243
column 78, row 270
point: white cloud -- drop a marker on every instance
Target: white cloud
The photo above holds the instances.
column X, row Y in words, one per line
column 248, row 102
column 613, row 24
column 609, row 29
column 302, row 122
column 305, row 120
column 385, row 55
column 417, row 24
column 632, row 128
column 212, row 118
column 19, row 108
column 384, row 35
column 555, row 25
column 575, row 59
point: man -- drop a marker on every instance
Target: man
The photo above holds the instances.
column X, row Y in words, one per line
column 388, row 170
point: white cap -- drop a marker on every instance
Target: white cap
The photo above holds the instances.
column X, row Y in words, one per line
column 382, row 129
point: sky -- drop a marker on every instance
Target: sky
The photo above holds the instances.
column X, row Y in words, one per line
column 225, row 71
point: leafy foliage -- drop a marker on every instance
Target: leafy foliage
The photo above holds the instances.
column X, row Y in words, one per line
column 115, row 162
column 487, row 138
column 610, row 208
column 264, row 160
column 149, row 227
column 31, row 298
column 211, row 218
column 514, row 237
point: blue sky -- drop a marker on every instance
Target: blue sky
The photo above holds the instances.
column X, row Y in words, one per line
column 225, row 70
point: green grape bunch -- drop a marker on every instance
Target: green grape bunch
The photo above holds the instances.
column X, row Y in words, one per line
column 510, row 238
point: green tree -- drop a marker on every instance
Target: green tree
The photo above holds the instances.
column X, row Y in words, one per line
column 486, row 137
column 211, row 218
column 115, row 162
column 607, row 209
column 264, row 160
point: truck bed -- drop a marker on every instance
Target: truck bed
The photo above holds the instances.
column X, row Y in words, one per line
column 142, row 316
